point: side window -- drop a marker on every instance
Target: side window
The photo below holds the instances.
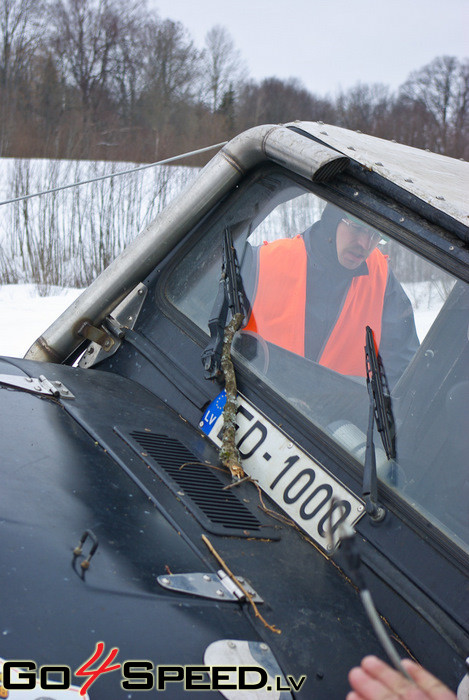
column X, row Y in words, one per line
column 426, row 285
column 315, row 276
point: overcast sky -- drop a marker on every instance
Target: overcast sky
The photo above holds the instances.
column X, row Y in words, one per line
column 331, row 44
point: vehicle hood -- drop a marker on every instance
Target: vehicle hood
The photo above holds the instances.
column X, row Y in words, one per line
column 67, row 470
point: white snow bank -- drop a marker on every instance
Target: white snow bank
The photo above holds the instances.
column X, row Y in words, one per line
column 24, row 315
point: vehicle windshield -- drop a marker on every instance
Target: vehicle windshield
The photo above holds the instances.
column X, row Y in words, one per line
column 315, row 276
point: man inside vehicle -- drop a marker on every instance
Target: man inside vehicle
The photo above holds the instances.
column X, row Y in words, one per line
column 314, row 295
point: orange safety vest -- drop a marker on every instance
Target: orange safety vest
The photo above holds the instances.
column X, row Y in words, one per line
column 278, row 311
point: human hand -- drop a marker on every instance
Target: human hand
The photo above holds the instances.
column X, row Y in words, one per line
column 375, row 680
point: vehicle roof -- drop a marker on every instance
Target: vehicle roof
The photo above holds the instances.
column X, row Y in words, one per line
column 439, row 180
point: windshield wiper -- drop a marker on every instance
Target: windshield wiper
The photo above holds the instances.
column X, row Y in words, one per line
column 381, row 412
column 230, row 296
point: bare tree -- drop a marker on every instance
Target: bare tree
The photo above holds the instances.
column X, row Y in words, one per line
column 169, row 76
column 277, row 101
column 410, row 123
column 223, row 67
column 21, row 31
column 84, row 36
column 461, row 113
column 365, row 107
column 127, row 76
column 442, row 88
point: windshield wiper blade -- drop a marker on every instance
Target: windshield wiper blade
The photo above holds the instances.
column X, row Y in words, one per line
column 381, row 412
column 230, row 296
column 376, row 377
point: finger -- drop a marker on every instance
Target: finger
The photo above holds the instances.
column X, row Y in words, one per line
column 387, row 684
column 367, row 687
column 387, row 675
column 353, row 696
column 435, row 689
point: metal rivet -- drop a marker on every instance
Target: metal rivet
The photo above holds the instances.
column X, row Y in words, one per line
column 351, row 148
column 140, row 291
column 263, row 646
column 201, row 424
column 181, row 493
column 220, row 593
column 378, row 162
column 408, row 179
column 289, row 445
column 29, row 379
column 232, row 645
column 324, row 133
column 355, row 194
column 57, row 383
column 206, row 577
column 451, row 247
column 442, row 199
column 166, row 581
column 401, row 220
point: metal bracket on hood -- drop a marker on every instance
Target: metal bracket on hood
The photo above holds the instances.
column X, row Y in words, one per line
column 109, row 335
column 97, row 335
column 37, row 385
column 217, row 586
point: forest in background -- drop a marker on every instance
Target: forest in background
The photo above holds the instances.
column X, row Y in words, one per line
column 112, row 80
column 86, row 84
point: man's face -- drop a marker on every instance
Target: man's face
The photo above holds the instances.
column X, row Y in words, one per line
column 354, row 243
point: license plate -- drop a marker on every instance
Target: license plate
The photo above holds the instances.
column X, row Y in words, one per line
column 302, row 487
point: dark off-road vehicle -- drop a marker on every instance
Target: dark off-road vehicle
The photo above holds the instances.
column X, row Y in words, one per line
column 126, row 543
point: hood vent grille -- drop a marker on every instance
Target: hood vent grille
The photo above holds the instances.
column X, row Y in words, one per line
column 197, row 485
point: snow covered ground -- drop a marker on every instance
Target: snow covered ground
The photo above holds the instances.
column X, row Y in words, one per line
column 24, row 315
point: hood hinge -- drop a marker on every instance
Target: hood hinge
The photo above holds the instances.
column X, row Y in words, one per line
column 37, row 385
column 217, row 586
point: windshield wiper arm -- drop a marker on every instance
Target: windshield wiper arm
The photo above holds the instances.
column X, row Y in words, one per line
column 230, row 296
column 381, row 412
column 348, row 537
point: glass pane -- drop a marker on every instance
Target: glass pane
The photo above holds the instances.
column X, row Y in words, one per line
column 314, row 277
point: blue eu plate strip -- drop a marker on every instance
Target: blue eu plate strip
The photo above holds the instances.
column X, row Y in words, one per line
column 212, row 413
